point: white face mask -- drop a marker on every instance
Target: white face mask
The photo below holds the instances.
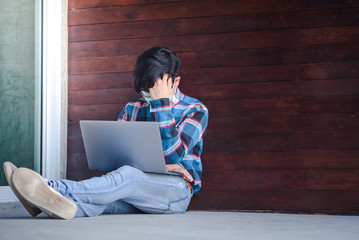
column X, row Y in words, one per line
column 173, row 91
column 147, row 95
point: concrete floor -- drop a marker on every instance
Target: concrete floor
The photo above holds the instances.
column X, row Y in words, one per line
column 18, row 224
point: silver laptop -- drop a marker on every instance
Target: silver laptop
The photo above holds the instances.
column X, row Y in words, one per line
column 113, row 144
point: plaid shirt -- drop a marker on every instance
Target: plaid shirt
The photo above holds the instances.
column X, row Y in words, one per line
column 183, row 124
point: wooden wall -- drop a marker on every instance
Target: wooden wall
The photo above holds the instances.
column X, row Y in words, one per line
column 280, row 79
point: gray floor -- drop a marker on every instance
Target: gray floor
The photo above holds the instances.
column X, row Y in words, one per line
column 17, row 224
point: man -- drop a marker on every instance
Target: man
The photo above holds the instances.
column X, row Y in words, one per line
column 183, row 123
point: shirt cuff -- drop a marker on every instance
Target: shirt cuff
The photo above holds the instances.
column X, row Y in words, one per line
column 162, row 104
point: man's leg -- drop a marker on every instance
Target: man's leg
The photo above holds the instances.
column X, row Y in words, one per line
column 151, row 193
column 91, row 210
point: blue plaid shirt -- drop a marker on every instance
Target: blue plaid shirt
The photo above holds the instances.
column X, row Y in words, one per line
column 183, row 124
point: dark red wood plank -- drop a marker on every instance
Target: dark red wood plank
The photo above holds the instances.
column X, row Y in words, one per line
column 102, row 65
column 315, row 180
column 110, row 3
column 272, row 56
column 95, row 112
column 310, row 71
column 322, row 122
column 243, row 57
column 153, row 12
column 284, row 123
column 280, row 106
column 77, row 163
column 238, row 74
column 329, row 104
column 321, row 53
column 101, row 96
column 275, row 141
column 73, row 130
column 285, row 201
column 281, row 160
column 190, row 75
column 101, row 81
column 75, row 146
column 271, row 73
column 273, row 89
column 189, row 9
column 223, row 41
column 216, row 24
column 329, row 70
column 328, row 139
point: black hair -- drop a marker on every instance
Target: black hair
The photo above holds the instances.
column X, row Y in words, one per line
column 154, row 63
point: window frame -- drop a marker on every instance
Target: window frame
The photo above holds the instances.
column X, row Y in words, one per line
column 54, row 88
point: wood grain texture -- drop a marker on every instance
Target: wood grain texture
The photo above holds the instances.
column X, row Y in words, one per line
column 95, row 112
column 217, row 24
column 223, row 41
column 336, row 202
column 281, row 160
column 190, row 9
column 298, row 180
column 100, row 81
column 280, row 80
column 110, row 3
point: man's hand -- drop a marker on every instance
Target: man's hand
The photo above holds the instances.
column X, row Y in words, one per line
column 162, row 88
column 178, row 169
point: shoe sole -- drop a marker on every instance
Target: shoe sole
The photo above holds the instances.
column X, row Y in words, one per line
column 32, row 187
column 9, row 170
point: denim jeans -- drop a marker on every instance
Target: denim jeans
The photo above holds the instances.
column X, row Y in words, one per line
column 127, row 190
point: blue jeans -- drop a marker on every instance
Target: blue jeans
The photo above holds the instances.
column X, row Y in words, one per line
column 127, row 190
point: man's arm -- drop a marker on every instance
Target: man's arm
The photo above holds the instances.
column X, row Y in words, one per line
column 123, row 115
column 176, row 142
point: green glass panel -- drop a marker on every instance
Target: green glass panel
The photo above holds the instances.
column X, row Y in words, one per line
column 17, row 83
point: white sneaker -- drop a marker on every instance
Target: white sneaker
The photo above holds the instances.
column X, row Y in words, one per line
column 35, row 190
column 9, row 170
